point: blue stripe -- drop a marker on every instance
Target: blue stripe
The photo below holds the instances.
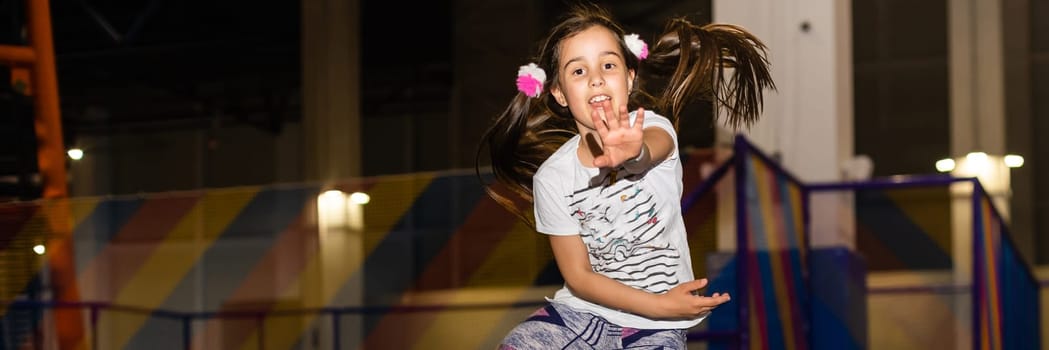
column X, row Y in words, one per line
column 756, row 216
column 96, row 231
column 225, row 264
column 774, row 320
column 19, row 325
column 405, row 252
column 898, row 234
column 801, row 289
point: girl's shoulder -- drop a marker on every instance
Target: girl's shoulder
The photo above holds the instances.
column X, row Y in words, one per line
column 561, row 161
column 652, row 118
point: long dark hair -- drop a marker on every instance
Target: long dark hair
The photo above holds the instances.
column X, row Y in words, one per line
column 688, row 59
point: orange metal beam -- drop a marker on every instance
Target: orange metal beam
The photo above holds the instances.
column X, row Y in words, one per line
column 52, row 165
column 17, row 54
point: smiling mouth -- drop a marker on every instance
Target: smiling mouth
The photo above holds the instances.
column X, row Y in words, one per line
column 600, row 98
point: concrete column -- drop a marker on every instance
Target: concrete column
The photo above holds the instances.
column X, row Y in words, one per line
column 331, row 89
column 977, row 77
column 977, row 99
column 331, row 99
column 808, row 122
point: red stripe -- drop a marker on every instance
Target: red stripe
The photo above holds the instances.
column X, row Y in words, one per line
column 115, row 265
column 12, row 219
column 275, row 272
column 261, row 288
column 469, row 247
column 758, row 303
column 779, row 205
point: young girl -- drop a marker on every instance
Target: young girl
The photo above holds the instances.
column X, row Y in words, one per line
column 605, row 183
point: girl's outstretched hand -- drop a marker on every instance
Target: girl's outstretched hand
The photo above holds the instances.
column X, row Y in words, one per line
column 620, row 141
column 685, row 302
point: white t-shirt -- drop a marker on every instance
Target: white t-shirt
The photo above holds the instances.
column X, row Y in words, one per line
column 633, row 229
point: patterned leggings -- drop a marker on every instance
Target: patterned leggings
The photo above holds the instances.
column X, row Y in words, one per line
column 561, row 327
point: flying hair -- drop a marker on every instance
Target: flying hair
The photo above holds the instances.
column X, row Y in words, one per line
column 689, row 60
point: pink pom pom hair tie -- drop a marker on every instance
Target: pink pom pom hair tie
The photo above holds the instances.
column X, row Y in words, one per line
column 636, row 46
column 530, row 79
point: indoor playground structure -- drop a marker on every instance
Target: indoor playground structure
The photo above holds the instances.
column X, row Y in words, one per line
column 427, row 260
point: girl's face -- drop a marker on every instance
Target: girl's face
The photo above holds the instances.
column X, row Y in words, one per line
column 593, row 73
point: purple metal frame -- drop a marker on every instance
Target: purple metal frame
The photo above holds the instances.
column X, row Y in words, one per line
column 979, row 284
column 742, row 150
column 740, row 158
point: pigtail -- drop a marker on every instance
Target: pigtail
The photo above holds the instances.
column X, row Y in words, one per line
column 518, row 141
column 692, row 59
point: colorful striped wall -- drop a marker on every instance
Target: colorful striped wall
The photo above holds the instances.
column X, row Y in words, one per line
column 904, row 228
column 1006, row 294
column 774, row 266
column 260, row 248
column 245, row 256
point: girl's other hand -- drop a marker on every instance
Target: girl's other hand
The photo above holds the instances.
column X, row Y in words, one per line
column 620, row 141
column 685, row 302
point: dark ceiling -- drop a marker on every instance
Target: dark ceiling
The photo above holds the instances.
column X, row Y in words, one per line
column 136, row 65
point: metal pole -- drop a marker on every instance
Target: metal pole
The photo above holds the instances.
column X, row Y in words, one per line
column 740, row 158
column 187, row 332
column 335, row 330
column 52, row 167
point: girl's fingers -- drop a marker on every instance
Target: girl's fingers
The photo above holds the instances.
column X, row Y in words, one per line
column 598, row 117
column 624, row 116
column 602, row 108
column 639, row 120
column 613, row 122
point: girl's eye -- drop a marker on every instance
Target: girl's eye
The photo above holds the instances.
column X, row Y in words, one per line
column 577, row 72
column 610, row 65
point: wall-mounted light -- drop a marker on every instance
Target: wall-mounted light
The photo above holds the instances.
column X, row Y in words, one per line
column 338, row 211
column 1013, row 160
column 360, row 198
column 331, row 208
column 978, row 163
column 991, row 170
column 945, row 165
column 75, row 153
column 39, row 249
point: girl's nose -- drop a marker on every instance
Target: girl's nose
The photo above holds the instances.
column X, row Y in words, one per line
column 596, row 81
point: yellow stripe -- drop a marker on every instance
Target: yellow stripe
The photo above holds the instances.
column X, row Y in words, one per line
column 799, row 219
column 987, row 324
column 329, row 269
column 36, row 230
column 929, row 209
column 174, row 257
column 446, row 331
column 33, row 227
column 776, row 249
column 993, row 244
column 81, row 208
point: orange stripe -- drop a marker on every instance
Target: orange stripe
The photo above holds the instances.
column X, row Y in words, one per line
column 518, row 248
column 776, row 247
column 340, row 256
column 36, row 226
column 992, row 246
column 112, row 267
column 467, row 249
column 176, row 256
column 276, row 270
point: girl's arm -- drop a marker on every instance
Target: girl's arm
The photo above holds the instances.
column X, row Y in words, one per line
column 678, row 303
column 656, row 146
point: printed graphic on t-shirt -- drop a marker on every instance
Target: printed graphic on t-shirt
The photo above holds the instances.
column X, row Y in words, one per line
column 622, row 227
